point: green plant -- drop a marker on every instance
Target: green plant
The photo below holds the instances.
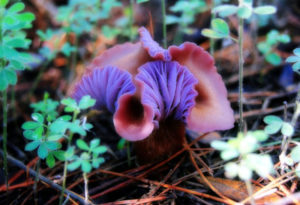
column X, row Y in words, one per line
column 295, row 59
column 12, row 38
column 122, row 144
column 141, row 1
column 287, row 128
column 214, row 4
column 220, row 29
column 88, row 159
column 79, row 17
column 49, row 52
column 188, row 11
column 274, row 124
column 295, row 156
column 74, row 126
column 122, row 26
column 48, row 128
column 267, row 47
column 38, row 132
column 56, row 36
column 244, row 147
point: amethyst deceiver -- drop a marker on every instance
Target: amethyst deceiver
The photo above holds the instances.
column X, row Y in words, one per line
column 144, row 86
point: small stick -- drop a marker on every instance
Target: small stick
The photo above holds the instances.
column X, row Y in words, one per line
column 33, row 173
column 86, row 189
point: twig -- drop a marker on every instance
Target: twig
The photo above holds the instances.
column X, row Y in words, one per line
column 148, row 171
column 168, row 186
column 204, row 178
column 276, row 183
column 289, row 199
column 86, row 189
column 171, row 172
column 36, row 180
column 137, row 201
column 33, row 173
column 257, row 112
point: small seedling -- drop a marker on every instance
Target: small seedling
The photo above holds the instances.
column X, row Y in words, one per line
column 219, row 29
column 295, row 155
column 244, row 10
column 88, row 159
column 244, row 147
column 74, row 126
column 274, row 124
column 295, row 59
column 267, row 47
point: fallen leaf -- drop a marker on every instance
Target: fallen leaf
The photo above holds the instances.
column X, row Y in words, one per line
column 237, row 190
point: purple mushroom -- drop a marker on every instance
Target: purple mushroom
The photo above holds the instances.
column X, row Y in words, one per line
column 154, row 93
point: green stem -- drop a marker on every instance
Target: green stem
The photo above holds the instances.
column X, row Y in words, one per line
column 36, row 180
column 164, row 28
column 66, row 163
column 287, row 139
column 128, row 153
column 74, row 56
column 72, row 63
column 38, row 78
column 13, row 102
column 297, row 109
column 250, row 191
column 131, row 19
column 4, row 104
column 241, row 73
column 211, row 40
column 86, row 188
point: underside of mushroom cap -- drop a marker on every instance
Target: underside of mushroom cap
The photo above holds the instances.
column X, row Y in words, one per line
column 212, row 110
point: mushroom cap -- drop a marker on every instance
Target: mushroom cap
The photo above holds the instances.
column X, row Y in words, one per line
column 142, row 84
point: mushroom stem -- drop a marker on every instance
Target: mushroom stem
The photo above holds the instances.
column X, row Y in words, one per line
column 162, row 143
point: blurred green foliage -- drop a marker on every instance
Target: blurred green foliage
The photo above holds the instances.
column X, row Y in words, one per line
column 244, row 147
column 295, row 59
column 13, row 41
column 268, row 46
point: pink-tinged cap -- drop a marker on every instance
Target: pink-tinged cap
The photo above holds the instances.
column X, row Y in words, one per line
column 212, row 110
column 133, row 120
column 152, row 47
column 127, row 56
